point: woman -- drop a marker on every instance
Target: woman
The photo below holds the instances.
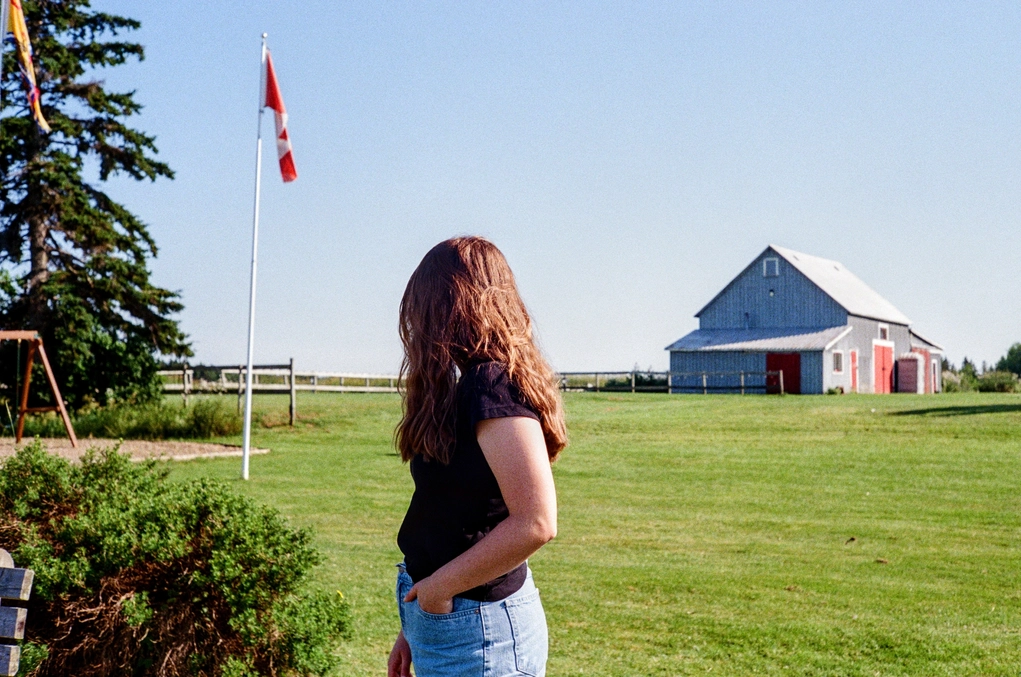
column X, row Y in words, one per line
column 480, row 448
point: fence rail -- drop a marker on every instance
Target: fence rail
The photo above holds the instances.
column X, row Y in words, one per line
column 614, row 381
column 275, row 379
column 673, row 381
column 284, row 378
column 272, row 378
column 770, row 382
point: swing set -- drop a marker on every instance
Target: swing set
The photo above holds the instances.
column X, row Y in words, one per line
column 35, row 347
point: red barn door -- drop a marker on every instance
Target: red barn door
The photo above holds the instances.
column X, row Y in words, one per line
column 929, row 382
column 882, row 359
column 790, row 365
column 854, row 371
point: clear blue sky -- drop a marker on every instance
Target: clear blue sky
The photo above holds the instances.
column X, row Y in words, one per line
column 629, row 159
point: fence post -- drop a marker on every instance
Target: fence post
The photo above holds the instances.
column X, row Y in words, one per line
column 294, row 393
column 184, row 382
column 315, row 382
column 669, row 390
column 632, row 380
column 241, row 385
column 742, row 383
column 597, row 382
column 781, row 381
column 705, row 387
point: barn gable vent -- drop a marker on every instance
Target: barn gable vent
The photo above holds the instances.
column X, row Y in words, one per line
column 771, row 267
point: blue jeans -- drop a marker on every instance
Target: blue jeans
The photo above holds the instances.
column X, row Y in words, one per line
column 477, row 639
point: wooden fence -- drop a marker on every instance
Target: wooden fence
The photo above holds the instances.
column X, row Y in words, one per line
column 672, row 381
column 614, row 381
column 770, row 382
column 273, row 378
column 284, row 378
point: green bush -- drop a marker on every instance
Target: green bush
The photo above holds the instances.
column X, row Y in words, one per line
column 643, row 381
column 137, row 575
column 997, row 382
column 205, row 418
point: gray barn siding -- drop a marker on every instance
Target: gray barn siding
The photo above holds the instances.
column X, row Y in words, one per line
column 842, row 380
column 716, row 361
column 797, row 301
column 686, row 369
column 863, row 331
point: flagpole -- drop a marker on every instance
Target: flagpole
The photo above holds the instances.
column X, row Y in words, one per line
column 5, row 12
column 246, row 447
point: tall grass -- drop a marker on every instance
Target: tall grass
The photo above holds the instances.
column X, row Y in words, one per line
column 205, row 418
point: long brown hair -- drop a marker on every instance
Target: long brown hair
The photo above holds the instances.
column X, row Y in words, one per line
column 462, row 306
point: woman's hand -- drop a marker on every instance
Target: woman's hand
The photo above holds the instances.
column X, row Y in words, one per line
column 430, row 600
column 399, row 664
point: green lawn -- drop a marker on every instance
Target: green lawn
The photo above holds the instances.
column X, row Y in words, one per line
column 841, row 535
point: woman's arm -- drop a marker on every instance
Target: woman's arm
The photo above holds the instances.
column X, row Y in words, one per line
column 516, row 452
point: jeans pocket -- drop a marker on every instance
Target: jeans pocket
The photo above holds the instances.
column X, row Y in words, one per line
column 453, row 615
column 445, row 644
column 531, row 640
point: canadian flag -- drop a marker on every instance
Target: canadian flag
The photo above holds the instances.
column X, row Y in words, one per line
column 271, row 98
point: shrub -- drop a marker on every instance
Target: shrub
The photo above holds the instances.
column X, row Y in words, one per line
column 137, row 575
column 643, row 381
column 207, row 417
column 213, row 418
column 997, row 382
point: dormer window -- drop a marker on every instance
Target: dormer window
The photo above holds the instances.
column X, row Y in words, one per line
column 771, row 267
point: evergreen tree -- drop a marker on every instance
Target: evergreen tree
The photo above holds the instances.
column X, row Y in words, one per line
column 1011, row 361
column 73, row 262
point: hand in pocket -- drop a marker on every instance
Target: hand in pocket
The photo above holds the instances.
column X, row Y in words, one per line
column 427, row 601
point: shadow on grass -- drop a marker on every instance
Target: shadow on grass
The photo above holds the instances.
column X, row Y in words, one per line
column 961, row 410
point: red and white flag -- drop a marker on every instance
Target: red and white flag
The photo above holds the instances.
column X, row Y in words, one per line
column 271, row 98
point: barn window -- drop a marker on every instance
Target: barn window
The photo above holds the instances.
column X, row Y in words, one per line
column 884, row 332
column 838, row 362
column 771, row 268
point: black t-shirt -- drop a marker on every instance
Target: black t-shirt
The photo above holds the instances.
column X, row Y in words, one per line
column 455, row 505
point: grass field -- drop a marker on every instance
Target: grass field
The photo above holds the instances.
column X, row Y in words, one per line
column 842, row 535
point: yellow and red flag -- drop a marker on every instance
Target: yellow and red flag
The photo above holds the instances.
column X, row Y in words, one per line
column 17, row 31
column 271, row 98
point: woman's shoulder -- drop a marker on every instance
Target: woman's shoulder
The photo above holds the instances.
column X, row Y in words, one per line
column 490, row 393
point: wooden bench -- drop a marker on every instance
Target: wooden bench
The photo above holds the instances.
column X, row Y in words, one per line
column 15, row 585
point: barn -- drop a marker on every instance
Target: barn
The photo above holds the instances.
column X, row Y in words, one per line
column 805, row 323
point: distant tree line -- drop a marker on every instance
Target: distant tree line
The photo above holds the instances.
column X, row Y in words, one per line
column 1003, row 377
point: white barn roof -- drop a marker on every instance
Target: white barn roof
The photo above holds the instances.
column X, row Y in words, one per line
column 917, row 338
column 843, row 286
column 755, row 340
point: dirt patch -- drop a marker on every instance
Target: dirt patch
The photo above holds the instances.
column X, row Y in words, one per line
column 139, row 450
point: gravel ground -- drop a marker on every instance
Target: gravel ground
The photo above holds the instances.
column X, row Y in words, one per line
column 138, row 449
